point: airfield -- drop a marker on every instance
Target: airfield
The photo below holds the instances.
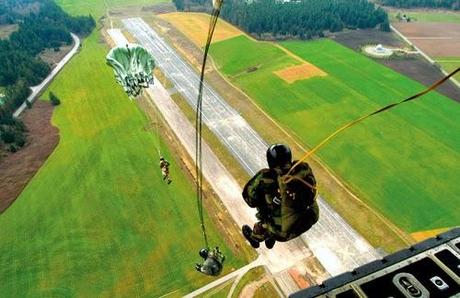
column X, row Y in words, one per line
column 108, row 226
column 248, row 148
column 311, row 108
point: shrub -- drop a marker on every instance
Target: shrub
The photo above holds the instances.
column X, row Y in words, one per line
column 7, row 137
column 12, row 149
column 55, row 101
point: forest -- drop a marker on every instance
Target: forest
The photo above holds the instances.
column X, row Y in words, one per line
column 42, row 24
column 304, row 19
column 46, row 27
column 444, row 4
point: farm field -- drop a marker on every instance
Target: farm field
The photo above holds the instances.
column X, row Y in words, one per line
column 97, row 219
column 394, row 161
column 98, row 8
column 418, row 69
column 449, row 64
column 435, row 39
column 195, row 25
column 428, row 16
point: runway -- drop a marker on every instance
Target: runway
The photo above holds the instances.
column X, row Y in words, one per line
column 334, row 243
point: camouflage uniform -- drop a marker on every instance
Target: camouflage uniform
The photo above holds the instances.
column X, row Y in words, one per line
column 213, row 263
column 285, row 211
column 164, row 166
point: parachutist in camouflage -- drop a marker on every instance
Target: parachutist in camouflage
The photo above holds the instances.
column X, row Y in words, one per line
column 213, row 261
column 286, row 208
column 164, row 166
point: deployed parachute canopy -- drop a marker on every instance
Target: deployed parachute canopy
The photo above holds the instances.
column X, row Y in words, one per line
column 133, row 66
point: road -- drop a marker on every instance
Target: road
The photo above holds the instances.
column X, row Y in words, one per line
column 334, row 243
column 237, row 273
column 36, row 90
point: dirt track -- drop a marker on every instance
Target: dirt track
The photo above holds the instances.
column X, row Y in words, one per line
column 17, row 169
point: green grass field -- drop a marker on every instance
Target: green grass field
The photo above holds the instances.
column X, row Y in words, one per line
column 97, row 8
column 403, row 163
column 97, row 220
column 449, row 64
column 428, row 16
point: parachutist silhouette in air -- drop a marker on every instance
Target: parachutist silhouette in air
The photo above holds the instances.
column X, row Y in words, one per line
column 213, row 261
column 284, row 199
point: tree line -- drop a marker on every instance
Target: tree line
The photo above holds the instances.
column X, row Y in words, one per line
column 445, row 4
column 302, row 19
column 42, row 24
column 49, row 27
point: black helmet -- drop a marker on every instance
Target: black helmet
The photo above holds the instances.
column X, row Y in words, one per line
column 204, row 253
column 279, row 155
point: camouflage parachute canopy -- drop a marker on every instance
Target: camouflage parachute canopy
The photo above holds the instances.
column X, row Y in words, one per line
column 133, row 66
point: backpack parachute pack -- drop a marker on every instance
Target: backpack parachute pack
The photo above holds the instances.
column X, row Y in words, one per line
column 287, row 208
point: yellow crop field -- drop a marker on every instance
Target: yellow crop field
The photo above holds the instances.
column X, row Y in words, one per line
column 299, row 72
column 195, row 27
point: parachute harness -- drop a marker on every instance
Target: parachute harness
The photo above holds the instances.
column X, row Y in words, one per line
column 288, row 177
column 217, row 4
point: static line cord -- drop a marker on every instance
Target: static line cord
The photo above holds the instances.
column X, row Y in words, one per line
column 157, row 123
column 199, row 123
column 288, row 177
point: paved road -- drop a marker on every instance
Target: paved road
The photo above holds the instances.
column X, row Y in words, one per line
column 39, row 88
column 337, row 246
column 236, row 273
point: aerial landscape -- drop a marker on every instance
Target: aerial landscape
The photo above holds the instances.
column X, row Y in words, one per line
column 229, row 148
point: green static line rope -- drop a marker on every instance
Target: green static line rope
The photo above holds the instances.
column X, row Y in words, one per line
column 199, row 122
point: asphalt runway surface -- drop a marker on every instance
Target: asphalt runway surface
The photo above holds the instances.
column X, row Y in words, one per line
column 334, row 243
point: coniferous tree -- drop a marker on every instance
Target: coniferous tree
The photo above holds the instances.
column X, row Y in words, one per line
column 302, row 19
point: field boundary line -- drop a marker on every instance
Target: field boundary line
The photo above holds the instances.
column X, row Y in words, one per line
column 298, row 58
column 235, row 284
column 428, row 58
column 240, row 272
column 446, row 61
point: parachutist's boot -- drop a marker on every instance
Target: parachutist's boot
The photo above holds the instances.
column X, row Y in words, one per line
column 198, row 267
column 270, row 242
column 247, row 233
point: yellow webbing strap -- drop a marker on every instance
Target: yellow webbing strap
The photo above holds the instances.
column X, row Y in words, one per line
column 288, row 176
